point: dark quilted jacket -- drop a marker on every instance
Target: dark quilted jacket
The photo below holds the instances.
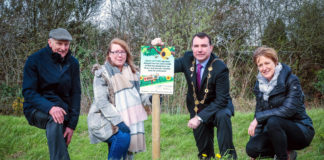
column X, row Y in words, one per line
column 286, row 100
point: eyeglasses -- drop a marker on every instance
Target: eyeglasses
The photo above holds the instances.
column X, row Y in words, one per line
column 123, row 53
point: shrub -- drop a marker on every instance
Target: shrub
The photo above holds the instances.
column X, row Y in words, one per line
column 319, row 85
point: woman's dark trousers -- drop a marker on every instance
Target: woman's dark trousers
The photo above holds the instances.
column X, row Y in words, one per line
column 279, row 136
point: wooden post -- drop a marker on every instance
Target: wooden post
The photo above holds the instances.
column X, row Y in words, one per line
column 156, row 126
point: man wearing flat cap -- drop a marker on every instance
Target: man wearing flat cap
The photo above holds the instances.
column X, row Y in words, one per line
column 52, row 92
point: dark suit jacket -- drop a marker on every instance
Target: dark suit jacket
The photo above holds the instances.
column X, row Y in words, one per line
column 218, row 85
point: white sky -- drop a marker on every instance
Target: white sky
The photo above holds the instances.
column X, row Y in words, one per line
column 103, row 16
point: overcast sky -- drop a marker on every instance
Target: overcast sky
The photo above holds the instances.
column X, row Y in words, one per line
column 104, row 13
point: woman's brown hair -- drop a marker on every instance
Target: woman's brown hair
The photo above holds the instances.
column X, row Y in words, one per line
column 266, row 52
column 124, row 45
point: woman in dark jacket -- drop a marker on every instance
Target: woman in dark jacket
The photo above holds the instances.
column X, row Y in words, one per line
column 280, row 124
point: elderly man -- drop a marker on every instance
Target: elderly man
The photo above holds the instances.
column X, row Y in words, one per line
column 51, row 88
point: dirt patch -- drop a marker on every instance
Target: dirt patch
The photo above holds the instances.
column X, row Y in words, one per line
column 17, row 154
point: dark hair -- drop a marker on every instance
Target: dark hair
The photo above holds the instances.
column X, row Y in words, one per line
column 201, row 35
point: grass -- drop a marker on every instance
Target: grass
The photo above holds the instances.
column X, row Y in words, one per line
column 18, row 140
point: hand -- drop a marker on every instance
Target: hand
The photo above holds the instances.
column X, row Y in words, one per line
column 194, row 122
column 123, row 127
column 58, row 114
column 68, row 135
column 157, row 42
column 252, row 127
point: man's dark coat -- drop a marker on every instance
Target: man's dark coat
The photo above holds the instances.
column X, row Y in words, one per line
column 51, row 81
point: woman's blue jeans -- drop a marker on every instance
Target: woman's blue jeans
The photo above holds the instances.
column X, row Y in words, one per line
column 118, row 145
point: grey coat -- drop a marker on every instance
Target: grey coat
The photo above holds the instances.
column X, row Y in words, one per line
column 103, row 115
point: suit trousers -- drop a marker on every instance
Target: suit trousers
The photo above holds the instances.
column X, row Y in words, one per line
column 54, row 133
column 279, row 136
column 204, row 135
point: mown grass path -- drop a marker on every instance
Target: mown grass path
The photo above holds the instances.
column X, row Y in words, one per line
column 18, row 140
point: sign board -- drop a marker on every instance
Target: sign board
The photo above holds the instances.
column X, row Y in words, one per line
column 157, row 69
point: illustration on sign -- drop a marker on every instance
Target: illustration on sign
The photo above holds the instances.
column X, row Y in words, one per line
column 157, row 69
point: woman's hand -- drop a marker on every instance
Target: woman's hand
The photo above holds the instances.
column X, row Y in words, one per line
column 157, row 42
column 252, row 127
column 123, row 127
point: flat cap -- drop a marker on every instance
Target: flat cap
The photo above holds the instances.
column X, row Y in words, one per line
column 60, row 34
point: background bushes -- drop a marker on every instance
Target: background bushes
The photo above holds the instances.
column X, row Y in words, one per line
column 294, row 28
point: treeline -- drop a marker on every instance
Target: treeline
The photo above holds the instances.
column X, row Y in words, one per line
column 294, row 28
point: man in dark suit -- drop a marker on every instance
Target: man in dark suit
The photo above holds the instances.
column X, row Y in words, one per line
column 208, row 98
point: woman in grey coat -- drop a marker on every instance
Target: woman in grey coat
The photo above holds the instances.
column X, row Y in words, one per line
column 117, row 114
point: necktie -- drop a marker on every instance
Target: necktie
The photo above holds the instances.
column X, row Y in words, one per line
column 199, row 66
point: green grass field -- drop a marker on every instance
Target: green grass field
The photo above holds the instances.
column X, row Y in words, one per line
column 18, row 140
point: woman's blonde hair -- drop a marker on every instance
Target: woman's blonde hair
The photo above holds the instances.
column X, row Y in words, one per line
column 124, row 45
column 266, row 52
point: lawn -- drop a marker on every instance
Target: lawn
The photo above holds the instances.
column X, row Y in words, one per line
column 18, row 140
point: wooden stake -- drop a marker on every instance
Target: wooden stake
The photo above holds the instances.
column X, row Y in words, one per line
column 156, row 126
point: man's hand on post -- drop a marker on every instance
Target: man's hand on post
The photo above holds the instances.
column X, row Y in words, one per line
column 157, row 42
column 68, row 135
column 194, row 122
column 58, row 114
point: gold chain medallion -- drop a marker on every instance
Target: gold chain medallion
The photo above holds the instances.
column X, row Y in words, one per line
column 197, row 102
